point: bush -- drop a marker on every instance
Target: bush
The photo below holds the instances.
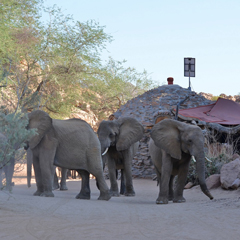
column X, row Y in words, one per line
column 13, row 126
column 218, row 153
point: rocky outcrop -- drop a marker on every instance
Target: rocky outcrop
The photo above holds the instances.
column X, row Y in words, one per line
column 230, row 175
column 235, row 98
column 148, row 107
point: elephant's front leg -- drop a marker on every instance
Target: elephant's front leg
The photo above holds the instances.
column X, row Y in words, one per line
column 127, row 169
column 112, row 176
column 85, row 189
column 166, row 170
column 182, row 177
column 9, row 174
column 38, row 176
column 46, row 157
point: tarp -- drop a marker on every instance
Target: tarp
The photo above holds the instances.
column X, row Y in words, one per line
column 224, row 111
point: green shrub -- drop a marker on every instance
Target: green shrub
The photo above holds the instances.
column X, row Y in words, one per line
column 13, row 126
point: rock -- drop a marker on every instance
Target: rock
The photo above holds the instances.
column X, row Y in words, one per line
column 188, row 185
column 213, row 181
column 235, row 156
column 229, row 173
column 235, row 184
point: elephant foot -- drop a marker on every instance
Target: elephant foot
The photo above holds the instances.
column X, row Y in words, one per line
column 37, row 193
column 179, row 200
column 63, row 188
column 104, row 196
column 47, row 194
column 129, row 194
column 162, row 200
column 114, row 193
column 83, row 196
column 170, row 198
column 55, row 187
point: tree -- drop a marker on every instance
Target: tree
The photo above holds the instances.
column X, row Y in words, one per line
column 57, row 65
column 15, row 16
column 114, row 86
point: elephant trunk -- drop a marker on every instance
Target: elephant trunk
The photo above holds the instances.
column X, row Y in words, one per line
column 105, row 144
column 200, row 161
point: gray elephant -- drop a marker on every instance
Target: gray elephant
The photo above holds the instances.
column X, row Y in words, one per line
column 63, row 182
column 172, row 145
column 70, row 144
column 7, row 169
column 119, row 143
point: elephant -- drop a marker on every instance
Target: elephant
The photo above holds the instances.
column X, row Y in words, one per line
column 119, row 142
column 8, row 169
column 70, row 144
column 171, row 147
column 63, row 183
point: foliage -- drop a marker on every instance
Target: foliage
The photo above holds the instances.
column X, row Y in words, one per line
column 114, row 86
column 56, row 65
column 218, row 153
column 13, row 126
column 215, row 98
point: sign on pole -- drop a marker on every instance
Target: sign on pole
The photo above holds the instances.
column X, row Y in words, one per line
column 189, row 68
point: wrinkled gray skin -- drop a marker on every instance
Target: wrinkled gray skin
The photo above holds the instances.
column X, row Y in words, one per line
column 70, row 144
column 121, row 138
column 171, row 147
column 63, row 183
column 8, row 170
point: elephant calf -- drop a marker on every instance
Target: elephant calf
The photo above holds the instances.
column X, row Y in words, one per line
column 119, row 143
column 172, row 145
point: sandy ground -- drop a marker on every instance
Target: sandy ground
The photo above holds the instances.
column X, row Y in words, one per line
column 23, row 216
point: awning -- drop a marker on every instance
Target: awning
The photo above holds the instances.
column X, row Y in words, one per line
column 224, row 111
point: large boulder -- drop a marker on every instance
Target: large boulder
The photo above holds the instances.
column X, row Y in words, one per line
column 230, row 172
column 213, row 181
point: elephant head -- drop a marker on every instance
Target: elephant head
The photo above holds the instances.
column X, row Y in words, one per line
column 42, row 122
column 176, row 138
column 121, row 133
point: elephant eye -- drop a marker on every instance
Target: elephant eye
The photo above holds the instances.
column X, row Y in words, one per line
column 189, row 140
column 111, row 135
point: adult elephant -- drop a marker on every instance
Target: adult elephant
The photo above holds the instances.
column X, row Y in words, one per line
column 172, row 145
column 70, row 144
column 119, row 143
column 6, row 168
column 63, row 182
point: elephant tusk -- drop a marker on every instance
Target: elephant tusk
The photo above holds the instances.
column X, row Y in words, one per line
column 208, row 159
column 105, row 152
column 193, row 158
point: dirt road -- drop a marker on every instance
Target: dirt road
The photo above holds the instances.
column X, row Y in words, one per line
column 25, row 217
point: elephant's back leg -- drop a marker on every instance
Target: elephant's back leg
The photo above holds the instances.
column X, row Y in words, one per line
column 95, row 166
column 63, row 183
column 85, row 189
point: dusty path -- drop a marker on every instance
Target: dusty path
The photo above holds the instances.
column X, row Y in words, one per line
column 25, row 217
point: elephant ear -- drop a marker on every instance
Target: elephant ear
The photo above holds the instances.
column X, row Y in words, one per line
column 42, row 122
column 130, row 132
column 166, row 135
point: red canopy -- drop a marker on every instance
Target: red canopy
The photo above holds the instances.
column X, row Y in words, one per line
column 224, row 112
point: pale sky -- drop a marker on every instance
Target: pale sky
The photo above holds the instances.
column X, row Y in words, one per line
column 156, row 35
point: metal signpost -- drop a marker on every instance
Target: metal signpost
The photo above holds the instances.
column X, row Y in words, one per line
column 189, row 69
